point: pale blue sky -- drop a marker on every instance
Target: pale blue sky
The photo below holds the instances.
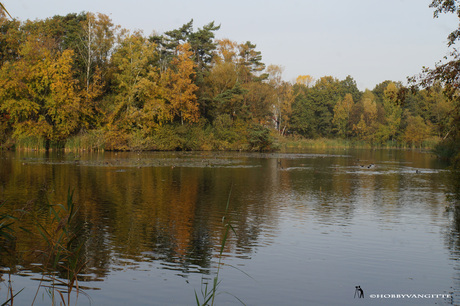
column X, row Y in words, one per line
column 371, row 40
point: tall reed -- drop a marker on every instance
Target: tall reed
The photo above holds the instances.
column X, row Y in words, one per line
column 62, row 252
column 30, row 143
column 87, row 141
column 209, row 294
column 7, row 239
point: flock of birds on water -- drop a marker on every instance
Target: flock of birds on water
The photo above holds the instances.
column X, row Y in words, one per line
column 361, row 166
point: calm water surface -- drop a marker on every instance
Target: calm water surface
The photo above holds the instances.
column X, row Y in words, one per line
column 309, row 226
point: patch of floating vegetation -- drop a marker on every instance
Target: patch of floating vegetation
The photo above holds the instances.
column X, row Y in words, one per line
column 181, row 159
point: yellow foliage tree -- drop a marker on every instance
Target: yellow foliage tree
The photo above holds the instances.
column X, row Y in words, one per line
column 366, row 127
column 283, row 97
column 153, row 94
column 306, row 80
column 342, row 114
column 131, row 59
column 39, row 93
column 180, row 88
column 416, row 131
column 393, row 111
column 226, row 51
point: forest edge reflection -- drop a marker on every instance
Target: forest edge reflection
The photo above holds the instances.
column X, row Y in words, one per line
column 167, row 208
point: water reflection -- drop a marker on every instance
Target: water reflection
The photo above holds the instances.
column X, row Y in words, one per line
column 452, row 233
column 147, row 211
column 144, row 207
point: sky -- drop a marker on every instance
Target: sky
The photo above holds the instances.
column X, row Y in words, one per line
column 370, row 40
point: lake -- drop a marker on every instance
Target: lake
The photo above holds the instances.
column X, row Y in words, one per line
column 306, row 227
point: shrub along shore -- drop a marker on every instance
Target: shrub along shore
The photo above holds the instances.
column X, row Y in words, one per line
column 197, row 139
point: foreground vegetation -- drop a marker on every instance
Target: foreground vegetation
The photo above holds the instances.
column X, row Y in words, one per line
column 56, row 244
column 80, row 82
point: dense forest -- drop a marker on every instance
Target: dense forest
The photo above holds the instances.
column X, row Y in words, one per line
column 81, row 82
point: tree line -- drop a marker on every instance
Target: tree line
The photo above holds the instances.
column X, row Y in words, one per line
column 79, row 81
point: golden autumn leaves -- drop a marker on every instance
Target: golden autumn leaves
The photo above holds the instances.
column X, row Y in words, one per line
column 148, row 97
column 43, row 98
column 39, row 92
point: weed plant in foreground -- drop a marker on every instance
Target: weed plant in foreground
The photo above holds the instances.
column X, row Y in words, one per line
column 58, row 249
column 208, row 294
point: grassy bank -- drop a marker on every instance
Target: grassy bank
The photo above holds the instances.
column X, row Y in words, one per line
column 204, row 138
column 231, row 136
column 292, row 143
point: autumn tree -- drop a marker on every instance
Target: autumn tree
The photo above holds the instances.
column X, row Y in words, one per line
column 202, row 45
column 306, row 80
column 393, row 112
column 223, row 84
column 68, row 33
column 64, row 31
column 11, row 38
column 416, row 131
column 39, row 93
column 446, row 74
column 438, row 110
column 342, row 112
column 181, row 88
column 433, row 106
column 236, row 70
column 283, row 97
column 259, row 98
column 224, row 74
column 153, row 93
column 131, row 59
column 243, row 59
column 365, row 117
column 275, row 73
column 97, row 39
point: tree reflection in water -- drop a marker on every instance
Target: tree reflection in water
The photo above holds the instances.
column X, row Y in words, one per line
column 161, row 214
column 453, row 232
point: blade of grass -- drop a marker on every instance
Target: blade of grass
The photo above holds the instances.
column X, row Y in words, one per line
column 239, row 300
column 11, row 298
column 62, row 297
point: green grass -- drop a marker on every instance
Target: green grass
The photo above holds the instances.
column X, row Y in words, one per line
column 205, row 137
column 326, row 143
column 87, row 141
column 30, row 143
